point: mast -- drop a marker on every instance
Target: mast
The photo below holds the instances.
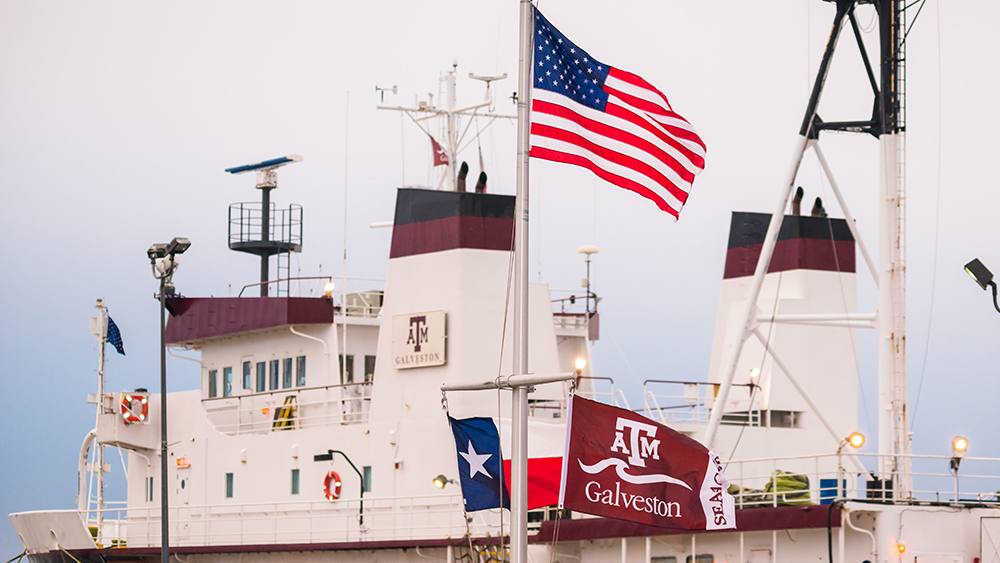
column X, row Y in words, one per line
column 519, row 402
column 893, row 442
column 887, row 123
column 102, row 336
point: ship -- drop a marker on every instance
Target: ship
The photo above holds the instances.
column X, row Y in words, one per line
column 319, row 429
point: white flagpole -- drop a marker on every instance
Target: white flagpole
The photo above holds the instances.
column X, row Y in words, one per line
column 519, row 404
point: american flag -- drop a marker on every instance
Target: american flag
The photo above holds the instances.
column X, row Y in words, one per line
column 609, row 121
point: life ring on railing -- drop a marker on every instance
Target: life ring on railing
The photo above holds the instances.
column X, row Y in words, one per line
column 134, row 415
column 331, row 486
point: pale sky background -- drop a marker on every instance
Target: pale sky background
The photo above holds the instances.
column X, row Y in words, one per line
column 118, row 118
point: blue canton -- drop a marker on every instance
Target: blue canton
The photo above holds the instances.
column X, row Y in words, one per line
column 562, row 67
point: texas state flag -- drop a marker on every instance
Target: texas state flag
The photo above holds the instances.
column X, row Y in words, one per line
column 478, row 444
column 546, row 443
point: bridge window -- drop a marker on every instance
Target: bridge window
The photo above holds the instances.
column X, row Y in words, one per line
column 229, row 486
column 369, row 368
column 295, row 481
column 212, row 389
column 300, row 371
column 274, row 375
column 246, row 375
column 367, row 472
column 286, row 376
column 227, row 382
column 261, row 377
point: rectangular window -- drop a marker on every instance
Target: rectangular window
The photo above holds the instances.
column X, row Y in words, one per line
column 274, row 374
column 367, row 472
column 286, row 375
column 300, row 371
column 229, row 485
column 369, row 368
column 261, row 377
column 346, row 370
column 246, row 375
column 149, row 489
column 295, row 481
column 227, row 382
column 212, row 389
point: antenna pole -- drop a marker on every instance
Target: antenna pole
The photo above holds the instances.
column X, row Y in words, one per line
column 102, row 336
column 519, row 403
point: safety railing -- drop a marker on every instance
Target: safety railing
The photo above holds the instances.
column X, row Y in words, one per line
column 690, row 402
column 292, row 522
column 821, row 479
column 290, row 409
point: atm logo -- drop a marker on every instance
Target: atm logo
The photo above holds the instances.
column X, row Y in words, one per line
column 418, row 339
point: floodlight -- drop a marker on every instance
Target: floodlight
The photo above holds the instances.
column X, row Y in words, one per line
column 982, row 276
column 580, row 364
column 856, row 440
column 959, row 445
column 440, row 481
column 328, row 288
column 979, row 273
column 178, row 245
column 157, row 251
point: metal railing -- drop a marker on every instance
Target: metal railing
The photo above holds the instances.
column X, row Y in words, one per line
column 690, row 402
column 290, row 409
column 293, row 522
column 820, row 479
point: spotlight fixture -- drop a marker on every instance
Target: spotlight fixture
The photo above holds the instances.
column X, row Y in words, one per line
column 856, row 440
column 580, row 364
column 328, row 288
column 982, row 276
column 959, row 445
column 440, row 481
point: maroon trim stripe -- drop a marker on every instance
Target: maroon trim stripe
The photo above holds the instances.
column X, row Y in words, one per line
column 793, row 254
column 747, row 520
column 448, row 233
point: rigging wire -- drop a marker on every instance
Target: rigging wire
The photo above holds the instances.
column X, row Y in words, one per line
column 937, row 223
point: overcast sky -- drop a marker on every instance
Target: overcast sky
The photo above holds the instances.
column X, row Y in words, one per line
column 118, row 118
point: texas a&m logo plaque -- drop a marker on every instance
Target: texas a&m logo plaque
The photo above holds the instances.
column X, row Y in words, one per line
column 418, row 339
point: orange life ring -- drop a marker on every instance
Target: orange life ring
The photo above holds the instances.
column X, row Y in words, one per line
column 331, row 486
column 134, row 415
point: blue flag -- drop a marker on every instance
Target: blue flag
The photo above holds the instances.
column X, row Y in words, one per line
column 115, row 337
column 479, row 463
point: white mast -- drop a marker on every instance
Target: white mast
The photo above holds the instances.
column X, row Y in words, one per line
column 101, row 334
column 519, row 409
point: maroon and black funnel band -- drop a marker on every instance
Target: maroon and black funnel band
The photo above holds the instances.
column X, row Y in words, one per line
column 432, row 221
column 804, row 243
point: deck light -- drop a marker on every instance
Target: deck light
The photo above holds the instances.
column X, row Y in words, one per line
column 163, row 260
column 982, row 276
column 440, row 481
column 900, row 546
column 580, row 364
column 328, row 288
column 959, row 445
column 856, row 440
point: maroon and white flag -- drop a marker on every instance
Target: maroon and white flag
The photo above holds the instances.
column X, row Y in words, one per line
column 440, row 156
column 622, row 465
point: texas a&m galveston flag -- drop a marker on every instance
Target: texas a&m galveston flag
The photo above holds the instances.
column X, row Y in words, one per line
column 609, row 121
column 622, row 465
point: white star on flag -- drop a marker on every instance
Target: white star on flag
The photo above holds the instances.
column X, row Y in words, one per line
column 476, row 461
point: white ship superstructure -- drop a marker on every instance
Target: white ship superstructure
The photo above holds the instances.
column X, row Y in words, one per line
column 319, row 430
